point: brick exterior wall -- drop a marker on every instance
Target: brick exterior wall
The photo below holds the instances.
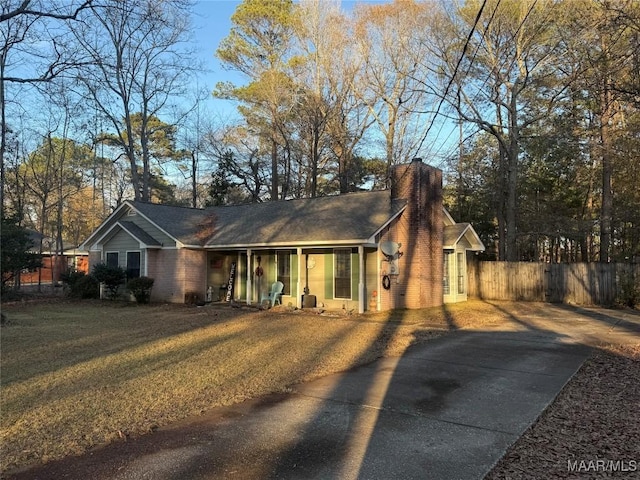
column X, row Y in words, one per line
column 177, row 272
column 194, row 265
column 419, row 229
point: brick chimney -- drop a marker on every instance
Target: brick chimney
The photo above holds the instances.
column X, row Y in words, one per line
column 420, row 231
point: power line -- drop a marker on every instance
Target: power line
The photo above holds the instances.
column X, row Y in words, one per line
column 455, row 72
column 475, row 53
column 479, row 90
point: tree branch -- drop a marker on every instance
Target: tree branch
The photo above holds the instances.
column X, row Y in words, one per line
column 23, row 9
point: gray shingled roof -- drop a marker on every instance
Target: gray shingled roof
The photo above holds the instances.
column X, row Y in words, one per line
column 452, row 233
column 140, row 234
column 355, row 216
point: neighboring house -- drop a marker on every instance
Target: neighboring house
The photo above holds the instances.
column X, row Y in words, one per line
column 53, row 264
column 377, row 250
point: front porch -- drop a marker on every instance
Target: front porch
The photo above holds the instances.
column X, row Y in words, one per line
column 335, row 277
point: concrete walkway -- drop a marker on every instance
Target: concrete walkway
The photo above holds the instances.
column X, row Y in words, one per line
column 447, row 409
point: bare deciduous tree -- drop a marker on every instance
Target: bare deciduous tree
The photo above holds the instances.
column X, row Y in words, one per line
column 34, row 49
column 136, row 68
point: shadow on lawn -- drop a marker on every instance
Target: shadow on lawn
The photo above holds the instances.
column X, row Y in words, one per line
column 443, row 410
column 103, row 330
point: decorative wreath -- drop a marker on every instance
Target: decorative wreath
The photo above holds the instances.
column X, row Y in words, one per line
column 386, row 282
column 259, row 271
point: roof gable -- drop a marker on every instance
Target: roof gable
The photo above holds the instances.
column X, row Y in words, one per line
column 106, row 225
column 139, row 234
column 455, row 233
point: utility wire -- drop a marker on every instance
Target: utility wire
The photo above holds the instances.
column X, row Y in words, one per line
column 475, row 53
column 455, row 72
column 521, row 24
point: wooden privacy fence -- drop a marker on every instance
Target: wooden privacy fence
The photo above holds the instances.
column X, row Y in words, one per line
column 574, row 283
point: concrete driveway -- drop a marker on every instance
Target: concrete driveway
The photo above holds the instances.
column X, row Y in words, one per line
column 447, row 409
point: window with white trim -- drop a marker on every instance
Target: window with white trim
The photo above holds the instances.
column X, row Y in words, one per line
column 112, row 259
column 284, row 270
column 461, row 274
column 446, row 282
column 133, row 264
column 342, row 273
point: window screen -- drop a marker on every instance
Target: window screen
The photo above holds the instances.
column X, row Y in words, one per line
column 284, row 270
column 446, row 283
column 342, row 273
column 461, row 274
column 133, row 264
column 112, row 259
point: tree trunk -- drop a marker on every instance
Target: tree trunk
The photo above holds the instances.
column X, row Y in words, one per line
column 607, row 171
column 314, row 163
column 606, row 115
column 513, row 158
column 145, row 194
column 501, row 202
column 3, row 133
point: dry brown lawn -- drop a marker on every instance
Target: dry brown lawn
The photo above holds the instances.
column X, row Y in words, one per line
column 80, row 374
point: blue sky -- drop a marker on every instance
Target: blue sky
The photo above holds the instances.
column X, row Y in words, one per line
column 212, row 22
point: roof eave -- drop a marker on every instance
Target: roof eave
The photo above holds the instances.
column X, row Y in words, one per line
column 385, row 224
column 367, row 242
column 476, row 243
column 172, row 237
column 141, row 242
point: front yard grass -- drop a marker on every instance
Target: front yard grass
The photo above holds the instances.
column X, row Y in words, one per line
column 80, row 374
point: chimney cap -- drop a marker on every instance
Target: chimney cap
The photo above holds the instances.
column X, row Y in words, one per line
column 417, row 160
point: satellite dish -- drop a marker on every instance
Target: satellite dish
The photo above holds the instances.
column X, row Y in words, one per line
column 390, row 248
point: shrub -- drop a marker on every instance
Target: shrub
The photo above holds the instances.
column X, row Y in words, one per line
column 140, row 288
column 112, row 277
column 71, row 277
column 80, row 285
column 86, row 286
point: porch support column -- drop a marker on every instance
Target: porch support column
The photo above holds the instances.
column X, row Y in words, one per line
column 238, row 285
column 249, row 276
column 361, row 299
column 299, row 286
column 145, row 270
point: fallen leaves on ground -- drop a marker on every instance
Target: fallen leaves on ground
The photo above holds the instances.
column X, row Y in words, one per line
column 591, row 430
